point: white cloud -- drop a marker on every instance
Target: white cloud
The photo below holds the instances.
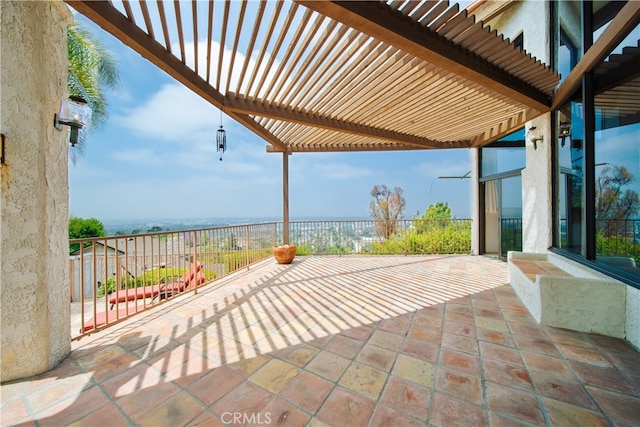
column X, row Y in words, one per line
column 137, row 155
column 174, row 113
column 341, row 171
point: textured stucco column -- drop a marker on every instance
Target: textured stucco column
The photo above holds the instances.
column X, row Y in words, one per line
column 34, row 278
column 536, row 187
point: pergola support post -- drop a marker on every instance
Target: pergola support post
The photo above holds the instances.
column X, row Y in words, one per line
column 285, row 198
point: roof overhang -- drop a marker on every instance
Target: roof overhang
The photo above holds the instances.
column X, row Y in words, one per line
column 340, row 76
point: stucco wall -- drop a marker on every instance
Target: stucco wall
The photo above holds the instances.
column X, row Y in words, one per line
column 34, row 290
column 633, row 316
column 536, row 188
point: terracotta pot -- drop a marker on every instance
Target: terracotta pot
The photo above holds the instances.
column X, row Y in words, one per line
column 284, row 254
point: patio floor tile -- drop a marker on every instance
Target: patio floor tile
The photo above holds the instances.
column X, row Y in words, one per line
column 377, row 357
column 344, row 346
column 246, row 398
column 407, row 397
column 345, row 408
column 328, row 365
column 307, row 391
column 338, row 341
column 515, row 403
column 617, row 406
column 280, row 413
column 462, row 385
column 448, row 411
column 565, row 414
column 274, row 375
column 416, row 370
column 384, row 416
column 364, row 380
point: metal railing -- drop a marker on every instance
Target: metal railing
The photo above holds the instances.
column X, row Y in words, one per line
column 618, row 239
column 115, row 277
column 510, row 235
column 451, row 236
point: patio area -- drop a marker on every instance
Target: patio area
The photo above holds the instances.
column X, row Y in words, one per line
column 355, row 340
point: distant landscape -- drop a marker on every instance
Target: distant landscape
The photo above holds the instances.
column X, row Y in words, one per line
column 135, row 226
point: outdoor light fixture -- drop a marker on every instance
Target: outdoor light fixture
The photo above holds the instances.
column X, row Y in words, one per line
column 221, row 139
column 535, row 138
column 565, row 131
column 75, row 113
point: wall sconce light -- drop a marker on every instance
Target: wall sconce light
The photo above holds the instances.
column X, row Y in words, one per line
column 565, row 131
column 535, row 138
column 75, row 113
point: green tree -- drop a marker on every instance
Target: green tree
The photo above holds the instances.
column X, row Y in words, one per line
column 154, row 229
column 91, row 71
column 80, row 228
column 440, row 210
column 436, row 216
column 614, row 204
column 386, row 209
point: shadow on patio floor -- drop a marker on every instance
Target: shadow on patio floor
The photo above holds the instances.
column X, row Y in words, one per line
column 424, row 340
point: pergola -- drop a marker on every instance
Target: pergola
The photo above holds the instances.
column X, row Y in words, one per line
column 314, row 76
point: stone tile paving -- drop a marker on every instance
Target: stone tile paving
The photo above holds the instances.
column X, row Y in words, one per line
column 339, row 341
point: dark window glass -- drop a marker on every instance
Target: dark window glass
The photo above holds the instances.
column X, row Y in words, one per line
column 567, row 55
column 569, row 36
column 519, row 41
column 571, row 159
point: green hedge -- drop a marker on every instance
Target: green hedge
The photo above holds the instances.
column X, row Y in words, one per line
column 443, row 238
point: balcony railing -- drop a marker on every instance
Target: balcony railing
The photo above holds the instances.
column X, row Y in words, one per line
column 114, row 277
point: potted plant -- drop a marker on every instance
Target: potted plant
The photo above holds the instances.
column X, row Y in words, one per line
column 284, row 254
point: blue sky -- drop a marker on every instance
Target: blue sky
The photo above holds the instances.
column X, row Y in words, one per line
column 156, row 158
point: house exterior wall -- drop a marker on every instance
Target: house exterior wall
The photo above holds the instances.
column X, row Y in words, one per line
column 532, row 18
column 632, row 324
column 34, row 277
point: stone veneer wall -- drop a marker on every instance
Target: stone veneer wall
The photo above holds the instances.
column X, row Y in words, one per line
column 34, row 210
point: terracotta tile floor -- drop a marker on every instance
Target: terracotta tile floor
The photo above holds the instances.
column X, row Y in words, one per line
column 400, row 341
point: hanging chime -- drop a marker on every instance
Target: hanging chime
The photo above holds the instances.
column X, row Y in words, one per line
column 221, row 139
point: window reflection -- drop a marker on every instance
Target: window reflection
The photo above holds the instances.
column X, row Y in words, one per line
column 617, row 159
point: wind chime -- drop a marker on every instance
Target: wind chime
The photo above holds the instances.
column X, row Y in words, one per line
column 221, row 139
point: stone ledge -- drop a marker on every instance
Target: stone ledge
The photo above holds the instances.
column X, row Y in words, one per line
column 559, row 292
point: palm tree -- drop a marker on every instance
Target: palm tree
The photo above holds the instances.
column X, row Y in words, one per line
column 92, row 70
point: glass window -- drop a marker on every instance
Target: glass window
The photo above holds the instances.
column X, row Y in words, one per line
column 567, row 55
column 569, row 38
column 506, row 154
column 511, row 215
column 571, row 159
column 617, row 159
column 612, row 192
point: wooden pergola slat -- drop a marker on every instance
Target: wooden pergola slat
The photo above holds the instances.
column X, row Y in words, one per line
column 343, row 76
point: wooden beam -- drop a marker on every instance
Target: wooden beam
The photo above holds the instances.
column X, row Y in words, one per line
column 505, row 128
column 381, row 22
column 611, row 37
column 353, row 147
column 246, row 106
column 251, row 124
column 112, row 21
